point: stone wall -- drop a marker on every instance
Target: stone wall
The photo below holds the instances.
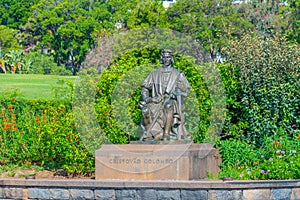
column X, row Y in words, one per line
column 202, row 190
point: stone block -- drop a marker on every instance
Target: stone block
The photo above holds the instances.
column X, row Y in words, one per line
column 295, row 194
column 281, row 194
column 59, row 194
column 225, row 194
column 146, row 194
column 168, row 194
column 126, row 194
column 1, row 192
column 257, row 194
column 193, row 194
column 156, row 162
column 105, row 194
column 79, row 194
column 38, row 193
column 14, row 193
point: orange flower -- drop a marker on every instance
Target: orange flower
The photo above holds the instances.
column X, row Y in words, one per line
column 255, row 163
column 10, row 106
column 37, row 119
column 14, row 98
column 277, row 144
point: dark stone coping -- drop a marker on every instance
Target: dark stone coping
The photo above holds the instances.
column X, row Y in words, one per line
column 197, row 184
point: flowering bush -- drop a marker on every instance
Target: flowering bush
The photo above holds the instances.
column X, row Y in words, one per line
column 280, row 159
column 42, row 133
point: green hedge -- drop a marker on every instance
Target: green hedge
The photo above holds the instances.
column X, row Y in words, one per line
column 40, row 132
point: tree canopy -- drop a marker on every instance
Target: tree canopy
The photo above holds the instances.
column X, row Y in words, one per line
column 67, row 29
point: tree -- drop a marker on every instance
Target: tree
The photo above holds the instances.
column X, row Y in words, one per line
column 138, row 14
column 66, row 29
column 212, row 23
column 14, row 13
column 148, row 13
column 8, row 40
column 267, row 17
column 292, row 13
column 121, row 10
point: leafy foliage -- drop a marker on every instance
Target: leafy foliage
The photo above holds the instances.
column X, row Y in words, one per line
column 268, row 72
column 272, row 17
column 211, row 23
column 44, row 64
column 42, row 133
column 148, row 13
column 278, row 159
column 263, row 110
column 8, row 39
column 13, row 62
column 14, row 13
column 66, row 29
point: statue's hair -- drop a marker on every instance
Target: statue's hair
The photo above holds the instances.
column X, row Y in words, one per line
column 166, row 51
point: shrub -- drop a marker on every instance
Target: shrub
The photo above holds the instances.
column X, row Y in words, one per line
column 44, row 64
column 262, row 84
column 43, row 133
column 268, row 72
column 278, row 159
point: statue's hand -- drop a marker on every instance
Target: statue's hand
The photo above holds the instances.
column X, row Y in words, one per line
column 156, row 99
column 169, row 96
column 142, row 104
column 153, row 99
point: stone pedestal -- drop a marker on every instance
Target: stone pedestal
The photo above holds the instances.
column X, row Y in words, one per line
column 156, row 162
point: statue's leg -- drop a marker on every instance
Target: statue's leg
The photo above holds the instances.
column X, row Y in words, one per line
column 146, row 120
column 168, row 112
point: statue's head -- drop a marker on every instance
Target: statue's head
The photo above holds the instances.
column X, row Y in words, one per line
column 166, row 57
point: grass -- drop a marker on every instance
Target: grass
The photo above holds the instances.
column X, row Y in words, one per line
column 33, row 86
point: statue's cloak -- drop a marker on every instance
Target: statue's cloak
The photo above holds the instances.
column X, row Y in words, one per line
column 176, row 87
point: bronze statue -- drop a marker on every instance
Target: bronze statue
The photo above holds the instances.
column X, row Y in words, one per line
column 162, row 104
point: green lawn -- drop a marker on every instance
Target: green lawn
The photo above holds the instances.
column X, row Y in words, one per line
column 33, row 86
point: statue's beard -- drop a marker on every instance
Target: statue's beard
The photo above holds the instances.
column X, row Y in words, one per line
column 168, row 64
